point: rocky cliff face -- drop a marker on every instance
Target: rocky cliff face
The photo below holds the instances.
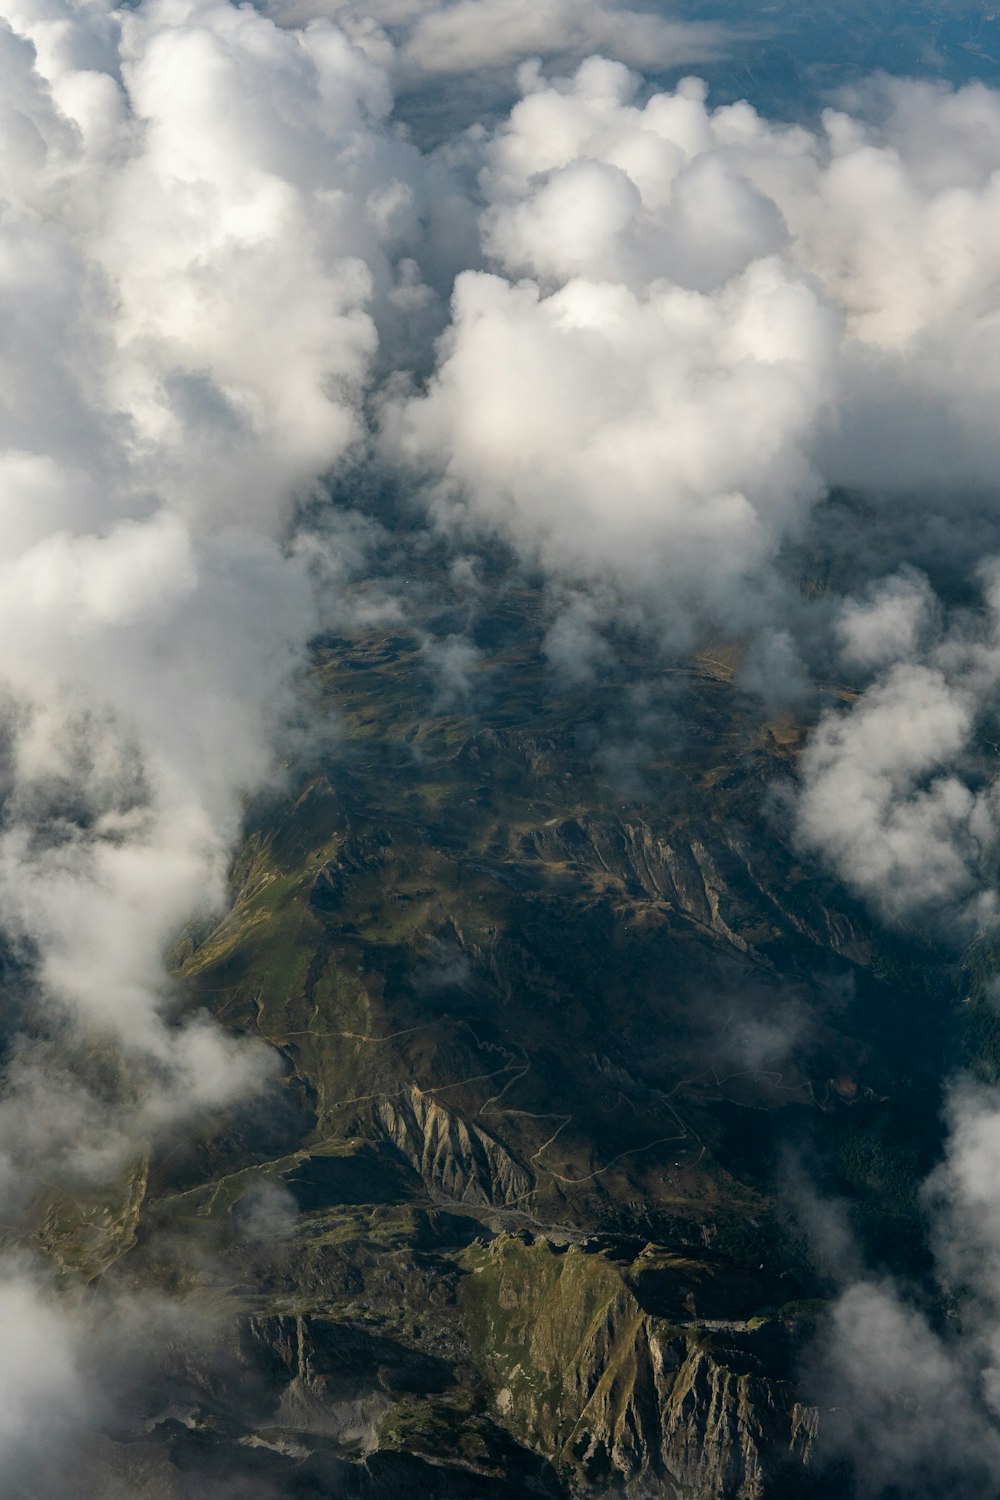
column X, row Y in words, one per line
column 459, row 1161
column 629, row 1398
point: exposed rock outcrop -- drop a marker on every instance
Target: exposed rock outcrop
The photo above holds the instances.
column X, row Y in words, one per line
column 458, row 1160
column 616, row 1394
column 708, row 875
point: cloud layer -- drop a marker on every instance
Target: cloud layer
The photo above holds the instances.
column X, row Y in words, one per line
column 674, row 333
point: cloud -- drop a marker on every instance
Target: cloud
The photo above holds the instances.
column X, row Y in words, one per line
column 693, row 323
column 205, row 215
column 71, row 1360
column 909, row 1410
column 206, row 249
column 40, row 1363
column 267, row 1213
column 573, row 644
column 916, row 1396
column 634, row 392
column 879, row 798
column 962, row 1192
column 547, row 407
column 894, row 791
column 454, row 663
column 886, row 626
column 468, row 35
column 674, row 331
column 424, row 42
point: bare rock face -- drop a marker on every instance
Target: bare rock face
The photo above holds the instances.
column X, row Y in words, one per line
column 726, row 1433
column 669, row 1408
column 458, row 1160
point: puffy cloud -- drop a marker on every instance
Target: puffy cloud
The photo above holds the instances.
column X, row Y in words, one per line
column 698, row 321
column 880, row 801
column 693, row 322
column 588, row 424
column 917, row 1397
column 963, row 1192
column 909, row 1400
column 653, row 182
column 40, row 1370
column 894, row 791
column 885, row 627
column 639, row 395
